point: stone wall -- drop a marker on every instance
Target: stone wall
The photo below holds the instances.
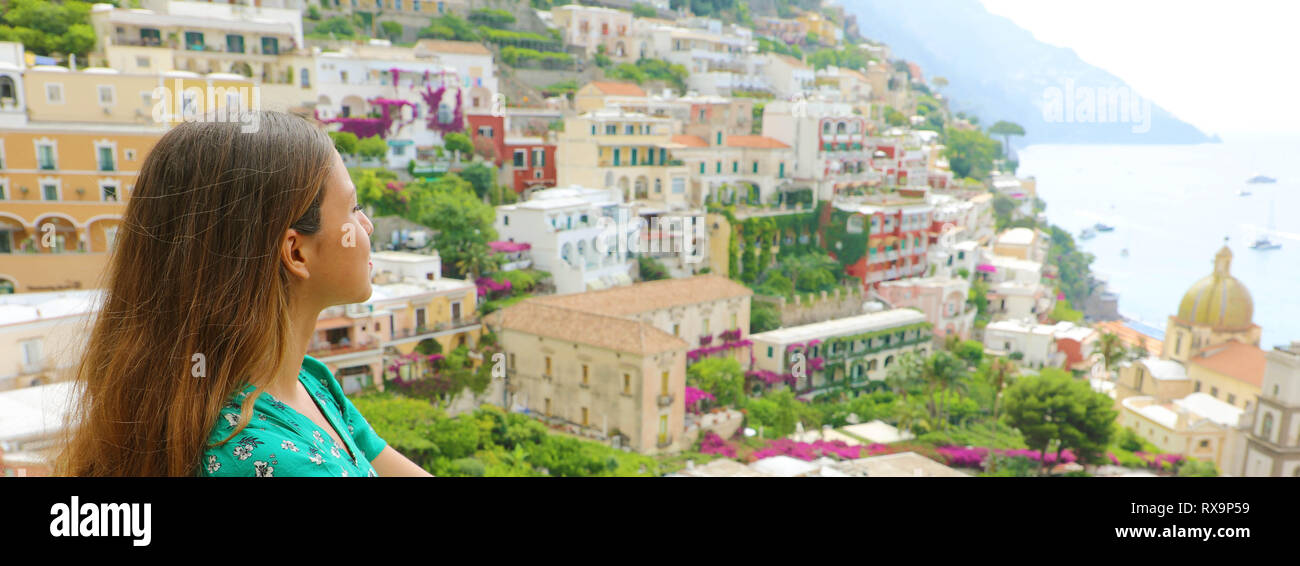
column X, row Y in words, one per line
column 823, row 306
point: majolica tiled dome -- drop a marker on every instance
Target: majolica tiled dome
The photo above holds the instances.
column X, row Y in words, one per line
column 1218, row 300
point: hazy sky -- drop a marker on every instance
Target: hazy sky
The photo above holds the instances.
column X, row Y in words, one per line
column 1226, row 67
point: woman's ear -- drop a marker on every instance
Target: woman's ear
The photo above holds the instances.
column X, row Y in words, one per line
column 293, row 253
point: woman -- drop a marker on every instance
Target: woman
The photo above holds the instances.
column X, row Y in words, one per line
column 231, row 245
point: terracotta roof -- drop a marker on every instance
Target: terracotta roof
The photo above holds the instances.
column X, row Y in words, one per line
column 444, row 46
column 690, row 141
column 618, row 89
column 602, row 331
column 762, row 142
column 791, row 61
column 651, row 295
column 1239, row 361
column 1130, row 337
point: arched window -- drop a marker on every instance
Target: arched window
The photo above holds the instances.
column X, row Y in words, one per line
column 889, row 359
column 841, row 128
column 826, row 128
column 6, row 287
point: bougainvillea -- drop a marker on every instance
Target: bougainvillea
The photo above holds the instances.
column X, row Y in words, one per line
column 370, row 127
column 714, row 444
column 696, row 354
column 433, row 98
column 809, row 451
column 963, row 457
column 694, row 398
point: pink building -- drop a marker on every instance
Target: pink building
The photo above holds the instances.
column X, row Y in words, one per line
column 943, row 300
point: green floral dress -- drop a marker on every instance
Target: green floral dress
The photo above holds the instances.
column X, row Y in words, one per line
column 280, row 441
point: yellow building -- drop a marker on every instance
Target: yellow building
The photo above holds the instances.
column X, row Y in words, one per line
column 610, row 148
column 601, row 376
column 820, row 25
column 71, row 145
column 1215, row 310
column 598, row 95
column 1210, row 372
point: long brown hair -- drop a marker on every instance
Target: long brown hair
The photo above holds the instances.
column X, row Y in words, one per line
column 196, row 271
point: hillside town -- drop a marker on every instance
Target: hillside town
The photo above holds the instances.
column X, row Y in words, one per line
column 639, row 237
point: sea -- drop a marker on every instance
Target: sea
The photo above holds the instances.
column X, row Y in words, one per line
column 1172, row 206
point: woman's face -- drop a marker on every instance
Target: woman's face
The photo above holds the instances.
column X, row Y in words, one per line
column 341, row 272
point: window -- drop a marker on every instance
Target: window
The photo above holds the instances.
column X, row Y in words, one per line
column 633, row 162
column 106, row 95
column 234, row 43
column 49, row 191
column 585, row 375
column 781, row 170
column 677, row 330
column 54, row 93
column 584, row 416
column 755, row 166
column 415, row 5
column 1214, row 392
column 627, row 383
column 618, row 156
column 1197, row 389
column 719, row 138
column 547, row 409
column 659, row 186
column 663, row 384
column 1232, row 399
column 629, row 129
column 735, row 166
column 193, row 41
column 521, row 156
column 611, row 129
column 455, row 310
column 108, row 192
column 105, row 155
column 548, row 365
column 701, row 167
column 304, row 79
column 719, row 167
column 663, row 156
column 769, row 351
column 1266, row 428
column 31, row 353
column 270, row 46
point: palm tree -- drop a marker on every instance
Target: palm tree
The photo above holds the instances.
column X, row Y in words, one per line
column 1111, row 350
column 477, row 259
column 999, row 369
column 912, row 416
column 903, row 375
column 944, row 371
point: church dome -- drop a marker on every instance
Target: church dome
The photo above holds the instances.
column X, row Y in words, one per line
column 1218, row 300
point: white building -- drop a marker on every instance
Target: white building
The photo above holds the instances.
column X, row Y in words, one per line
column 1036, row 342
column 788, row 77
column 1272, row 440
column 563, row 227
column 853, row 350
column 41, row 335
column 720, row 58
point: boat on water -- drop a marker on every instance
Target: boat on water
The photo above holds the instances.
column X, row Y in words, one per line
column 1103, row 227
column 1263, row 243
column 1087, row 234
column 1243, row 192
column 1257, row 178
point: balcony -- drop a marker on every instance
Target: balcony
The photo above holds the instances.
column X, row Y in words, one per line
column 327, row 349
column 665, row 400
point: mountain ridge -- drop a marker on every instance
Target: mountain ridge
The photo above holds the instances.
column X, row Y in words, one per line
column 998, row 70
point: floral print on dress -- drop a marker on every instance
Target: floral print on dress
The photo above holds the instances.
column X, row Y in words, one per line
column 319, row 439
column 289, row 445
column 213, row 464
column 245, row 447
column 232, row 419
column 262, row 469
column 334, row 451
column 316, row 457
